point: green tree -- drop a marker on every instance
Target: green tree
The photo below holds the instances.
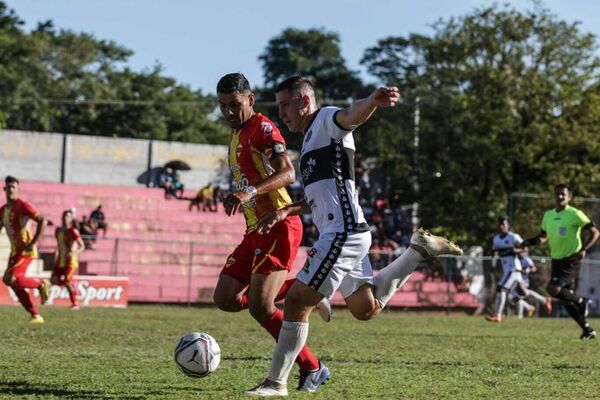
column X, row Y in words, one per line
column 508, row 102
column 63, row 81
column 314, row 53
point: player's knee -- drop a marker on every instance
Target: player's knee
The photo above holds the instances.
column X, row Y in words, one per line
column 552, row 290
column 363, row 313
column 226, row 303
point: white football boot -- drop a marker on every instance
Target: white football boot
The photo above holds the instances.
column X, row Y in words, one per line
column 267, row 389
column 429, row 245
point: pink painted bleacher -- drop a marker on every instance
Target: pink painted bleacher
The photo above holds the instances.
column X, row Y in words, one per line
column 153, row 247
column 155, row 236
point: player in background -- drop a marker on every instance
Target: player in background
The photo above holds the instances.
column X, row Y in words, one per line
column 339, row 258
column 66, row 261
column 254, row 275
column 504, row 244
column 561, row 229
column 527, row 268
column 14, row 217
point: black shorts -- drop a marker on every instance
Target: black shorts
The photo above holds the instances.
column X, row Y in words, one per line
column 565, row 271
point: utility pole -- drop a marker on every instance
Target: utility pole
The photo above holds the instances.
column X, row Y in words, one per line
column 415, row 177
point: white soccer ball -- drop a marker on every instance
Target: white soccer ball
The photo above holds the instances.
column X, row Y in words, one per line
column 197, row 354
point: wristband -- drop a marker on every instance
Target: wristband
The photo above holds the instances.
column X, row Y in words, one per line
column 251, row 190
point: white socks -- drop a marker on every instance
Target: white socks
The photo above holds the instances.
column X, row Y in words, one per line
column 521, row 306
column 292, row 338
column 500, row 301
column 538, row 297
column 393, row 276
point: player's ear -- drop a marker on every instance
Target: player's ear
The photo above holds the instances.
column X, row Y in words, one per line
column 302, row 101
column 252, row 99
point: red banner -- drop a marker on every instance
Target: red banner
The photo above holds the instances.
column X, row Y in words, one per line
column 92, row 291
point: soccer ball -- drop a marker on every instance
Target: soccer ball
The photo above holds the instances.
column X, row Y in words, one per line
column 197, row 354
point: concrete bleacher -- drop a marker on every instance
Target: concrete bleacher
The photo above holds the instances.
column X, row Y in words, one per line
column 167, row 252
column 172, row 255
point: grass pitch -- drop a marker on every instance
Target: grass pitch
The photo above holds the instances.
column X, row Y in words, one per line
column 127, row 354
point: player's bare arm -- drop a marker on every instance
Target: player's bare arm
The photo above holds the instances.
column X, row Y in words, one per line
column 39, row 230
column 283, row 176
column 352, row 117
column 77, row 247
column 593, row 236
column 269, row 220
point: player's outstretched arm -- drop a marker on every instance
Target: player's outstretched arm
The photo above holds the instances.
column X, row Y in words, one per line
column 352, row 117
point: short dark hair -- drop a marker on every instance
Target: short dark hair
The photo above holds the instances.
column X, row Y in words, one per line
column 11, row 179
column 561, row 186
column 502, row 218
column 294, row 83
column 67, row 212
column 234, row 82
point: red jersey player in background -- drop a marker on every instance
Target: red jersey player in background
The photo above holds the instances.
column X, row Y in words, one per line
column 14, row 217
column 69, row 246
column 254, row 275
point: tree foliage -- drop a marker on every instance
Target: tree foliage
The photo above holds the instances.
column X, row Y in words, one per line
column 508, row 102
column 63, row 81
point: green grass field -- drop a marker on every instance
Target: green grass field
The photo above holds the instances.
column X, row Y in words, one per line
column 127, row 354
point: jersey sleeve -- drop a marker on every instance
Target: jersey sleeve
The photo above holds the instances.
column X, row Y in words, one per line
column 271, row 141
column 494, row 248
column 75, row 234
column 332, row 126
column 28, row 210
column 581, row 218
column 517, row 239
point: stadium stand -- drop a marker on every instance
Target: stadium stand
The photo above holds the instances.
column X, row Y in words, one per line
column 172, row 255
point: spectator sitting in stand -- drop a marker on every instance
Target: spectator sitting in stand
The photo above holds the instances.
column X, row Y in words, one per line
column 205, row 196
column 88, row 230
column 98, row 216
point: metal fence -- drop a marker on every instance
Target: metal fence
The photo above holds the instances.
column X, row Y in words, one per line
column 187, row 271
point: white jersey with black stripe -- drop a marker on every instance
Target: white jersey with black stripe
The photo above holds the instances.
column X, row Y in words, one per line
column 510, row 262
column 327, row 168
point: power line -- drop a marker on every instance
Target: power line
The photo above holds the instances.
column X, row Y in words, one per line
column 93, row 102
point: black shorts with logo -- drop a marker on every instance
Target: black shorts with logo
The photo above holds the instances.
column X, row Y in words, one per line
column 565, row 271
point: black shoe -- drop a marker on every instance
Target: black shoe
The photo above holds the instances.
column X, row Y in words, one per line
column 588, row 335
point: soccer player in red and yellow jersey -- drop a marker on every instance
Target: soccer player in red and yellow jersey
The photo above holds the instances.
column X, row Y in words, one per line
column 70, row 245
column 254, row 275
column 14, row 217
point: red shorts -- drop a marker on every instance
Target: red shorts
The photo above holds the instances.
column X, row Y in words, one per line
column 263, row 254
column 64, row 274
column 18, row 264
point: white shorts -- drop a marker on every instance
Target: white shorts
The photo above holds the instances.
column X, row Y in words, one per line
column 510, row 278
column 338, row 261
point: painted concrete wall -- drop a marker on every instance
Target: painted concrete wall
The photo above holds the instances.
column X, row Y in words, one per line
column 31, row 155
column 55, row 157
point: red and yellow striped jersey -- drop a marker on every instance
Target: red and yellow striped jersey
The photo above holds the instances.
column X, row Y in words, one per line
column 65, row 239
column 250, row 149
column 15, row 219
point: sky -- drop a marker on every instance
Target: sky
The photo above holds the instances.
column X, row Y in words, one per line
column 198, row 41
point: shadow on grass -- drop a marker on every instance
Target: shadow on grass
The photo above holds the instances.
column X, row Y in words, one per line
column 23, row 388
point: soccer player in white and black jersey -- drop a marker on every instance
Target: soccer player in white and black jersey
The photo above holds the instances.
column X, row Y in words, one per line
column 505, row 245
column 339, row 259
